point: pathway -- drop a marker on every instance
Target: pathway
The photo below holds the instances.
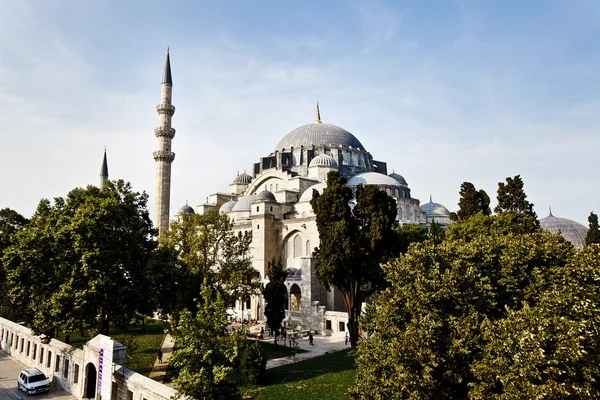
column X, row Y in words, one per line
column 159, row 370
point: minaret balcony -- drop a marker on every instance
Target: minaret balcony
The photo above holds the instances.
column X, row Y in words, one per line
column 164, row 131
column 167, row 109
column 162, row 155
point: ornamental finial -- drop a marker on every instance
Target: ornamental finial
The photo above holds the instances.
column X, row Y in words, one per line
column 318, row 121
column 550, row 208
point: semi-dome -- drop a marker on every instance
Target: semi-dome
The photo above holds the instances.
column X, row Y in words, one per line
column 227, row 207
column 244, row 203
column 434, row 210
column 323, row 160
column 265, row 195
column 243, row 179
column 307, row 195
column 372, row 178
column 319, row 134
column 398, row 178
column 572, row 231
column 186, row 210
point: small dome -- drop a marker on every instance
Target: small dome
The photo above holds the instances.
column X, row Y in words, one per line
column 307, row 195
column 244, row 203
column 572, row 231
column 435, row 210
column 372, row 178
column 323, row 160
column 319, row 134
column 227, row 207
column 265, row 195
column 243, row 179
column 186, row 210
column 399, row 178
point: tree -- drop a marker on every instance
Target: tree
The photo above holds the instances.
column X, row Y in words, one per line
column 482, row 318
column 83, row 260
column 472, row 202
column 407, row 234
column 593, row 234
column 354, row 240
column 436, row 233
column 274, row 294
column 212, row 364
column 512, row 200
column 11, row 222
column 209, row 249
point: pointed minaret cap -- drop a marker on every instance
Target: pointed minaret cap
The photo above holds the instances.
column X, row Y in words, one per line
column 104, row 168
column 167, row 72
column 318, row 121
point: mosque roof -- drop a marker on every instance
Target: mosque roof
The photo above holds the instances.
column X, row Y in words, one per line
column 265, row 195
column 227, row 207
column 571, row 230
column 398, row 177
column 434, row 209
column 244, row 203
column 318, row 134
column 242, row 179
column 186, row 209
column 372, row 178
column 323, row 160
column 307, row 195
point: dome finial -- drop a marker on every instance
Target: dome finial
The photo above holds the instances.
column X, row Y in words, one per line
column 550, row 208
column 431, row 201
column 318, row 121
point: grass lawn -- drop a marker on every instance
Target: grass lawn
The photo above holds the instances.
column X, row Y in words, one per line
column 147, row 344
column 325, row 377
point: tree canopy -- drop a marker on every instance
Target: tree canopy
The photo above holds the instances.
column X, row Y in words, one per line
column 83, row 260
column 593, row 233
column 274, row 294
column 490, row 313
column 472, row 201
column 356, row 235
column 512, row 201
column 11, row 222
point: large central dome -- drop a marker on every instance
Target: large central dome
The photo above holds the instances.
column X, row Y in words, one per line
column 318, row 134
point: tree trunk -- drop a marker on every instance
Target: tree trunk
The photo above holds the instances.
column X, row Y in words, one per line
column 67, row 338
column 143, row 323
column 353, row 305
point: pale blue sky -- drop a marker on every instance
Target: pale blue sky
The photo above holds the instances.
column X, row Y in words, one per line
column 443, row 91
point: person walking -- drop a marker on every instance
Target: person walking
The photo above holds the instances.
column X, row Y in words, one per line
column 346, row 339
column 160, row 354
column 310, row 339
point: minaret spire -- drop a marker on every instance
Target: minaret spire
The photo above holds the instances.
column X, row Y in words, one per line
column 104, row 171
column 318, row 121
column 164, row 156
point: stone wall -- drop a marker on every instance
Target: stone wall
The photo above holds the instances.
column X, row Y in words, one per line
column 75, row 370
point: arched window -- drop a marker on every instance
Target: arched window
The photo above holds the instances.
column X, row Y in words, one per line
column 297, row 246
column 308, row 249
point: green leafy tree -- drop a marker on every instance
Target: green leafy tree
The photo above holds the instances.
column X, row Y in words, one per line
column 211, row 363
column 274, row 294
column 83, row 260
column 436, row 233
column 472, row 201
column 512, row 201
column 354, row 241
column 593, row 234
column 409, row 233
column 483, row 318
column 208, row 249
column 11, row 222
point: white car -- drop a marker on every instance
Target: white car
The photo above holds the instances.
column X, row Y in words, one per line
column 33, row 381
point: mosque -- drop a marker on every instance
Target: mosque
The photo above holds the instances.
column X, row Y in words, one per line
column 273, row 202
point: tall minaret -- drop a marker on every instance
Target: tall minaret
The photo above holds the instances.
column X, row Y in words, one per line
column 103, row 172
column 164, row 156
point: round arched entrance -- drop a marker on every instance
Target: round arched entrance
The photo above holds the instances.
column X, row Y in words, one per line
column 90, row 381
column 296, row 298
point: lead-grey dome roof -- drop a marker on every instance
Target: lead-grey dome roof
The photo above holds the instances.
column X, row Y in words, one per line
column 323, row 160
column 398, row 177
column 434, row 210
column 227, row 207
column 244, row 203
column 307, row 195
column 186, row 210
column 242, row 179
column 572, row 231
column 319, row 134
column 265, row 195
column 372, row 178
